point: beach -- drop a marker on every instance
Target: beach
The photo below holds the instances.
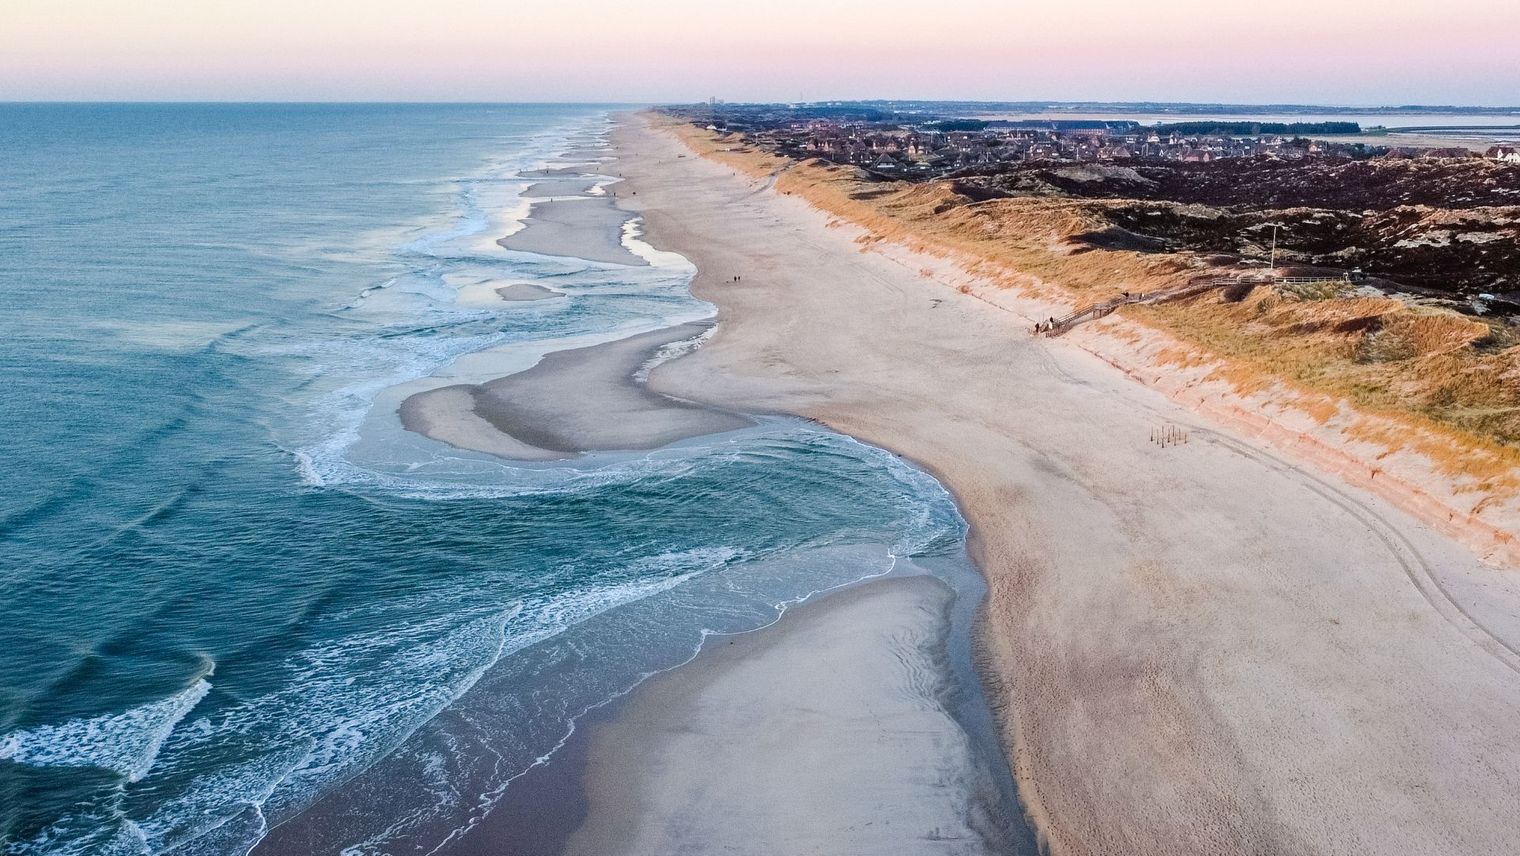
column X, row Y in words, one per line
column 825, row 733
column 586, row 228
column 449, row 546
column 572, row 401
column 1207, row 646
column 852, row 723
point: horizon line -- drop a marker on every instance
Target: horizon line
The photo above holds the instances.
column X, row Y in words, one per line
column 1051, row 102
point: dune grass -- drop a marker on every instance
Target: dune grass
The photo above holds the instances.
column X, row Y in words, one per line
column 1451, row 381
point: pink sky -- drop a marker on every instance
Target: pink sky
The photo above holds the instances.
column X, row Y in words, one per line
column 1320, row 51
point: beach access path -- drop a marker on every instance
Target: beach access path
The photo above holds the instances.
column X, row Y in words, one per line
column 1196, row 648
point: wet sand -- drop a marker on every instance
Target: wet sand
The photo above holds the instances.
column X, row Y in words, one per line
column 588, row 229
column 1206, row 648
column 568, row 186
column 557, row 172
column 574, row 401
column 826, row 733
column 518, row 291
column 480, row 291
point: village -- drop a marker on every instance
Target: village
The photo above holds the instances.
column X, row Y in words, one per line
column 898, row 147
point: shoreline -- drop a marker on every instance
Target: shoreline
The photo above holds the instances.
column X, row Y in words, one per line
column 597, row 399
column 585, row 798
column 1077, row 520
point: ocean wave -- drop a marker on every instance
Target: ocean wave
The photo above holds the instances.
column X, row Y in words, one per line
column 341, row 707
column 339, row 724
column 126, row 743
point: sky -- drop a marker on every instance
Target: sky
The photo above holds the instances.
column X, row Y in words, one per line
column 1352, row 52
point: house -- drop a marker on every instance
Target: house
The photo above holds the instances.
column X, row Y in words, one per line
column 1448, row 152
column 1505, row 154
column 888, row 165
column 1044, row 151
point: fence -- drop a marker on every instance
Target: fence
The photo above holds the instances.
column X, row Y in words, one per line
column 1194, row 286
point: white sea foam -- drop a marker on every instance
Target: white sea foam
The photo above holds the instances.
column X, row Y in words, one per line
column 326, row 724
column 126, row 742
column 673, row 350
column 456, row 252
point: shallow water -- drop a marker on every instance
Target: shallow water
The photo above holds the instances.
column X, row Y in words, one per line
column 234, row 584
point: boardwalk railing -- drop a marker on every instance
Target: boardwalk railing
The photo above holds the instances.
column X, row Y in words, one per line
column 1194, row 286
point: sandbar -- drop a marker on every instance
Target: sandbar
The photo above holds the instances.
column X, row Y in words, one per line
column 572, row 401
column 556, row 172
column 589, row 228
column 577, row 186
column 526, row 291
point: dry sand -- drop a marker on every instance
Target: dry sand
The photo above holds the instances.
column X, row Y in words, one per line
column 1195, row 649
column 589, row 228
column 573, row 401
column 824, row 734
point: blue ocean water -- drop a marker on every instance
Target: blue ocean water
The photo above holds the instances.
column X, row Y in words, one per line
column 231, row 584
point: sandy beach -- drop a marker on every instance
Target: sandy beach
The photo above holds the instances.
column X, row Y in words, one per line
column 851, row 725
column 1206, row 647
column 826, row 733
column 573, row 401
column 589, row 228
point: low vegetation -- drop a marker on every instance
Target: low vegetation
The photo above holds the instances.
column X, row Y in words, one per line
column 1453, row 377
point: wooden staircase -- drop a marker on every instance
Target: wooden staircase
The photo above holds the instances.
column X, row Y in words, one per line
column 1196, row 285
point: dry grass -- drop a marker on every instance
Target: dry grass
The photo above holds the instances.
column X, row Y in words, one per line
column 1378, row 353
column 1011, row 242
column 1416, row 366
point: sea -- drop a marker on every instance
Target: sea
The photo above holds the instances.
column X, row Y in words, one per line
column 232, row 586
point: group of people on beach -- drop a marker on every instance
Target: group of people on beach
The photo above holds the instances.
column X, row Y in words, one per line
column 1125, row 297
